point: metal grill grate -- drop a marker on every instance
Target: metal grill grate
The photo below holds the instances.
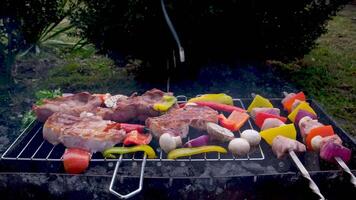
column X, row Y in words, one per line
column 30, row 146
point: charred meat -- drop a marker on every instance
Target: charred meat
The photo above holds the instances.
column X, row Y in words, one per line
column 177, row 121
column 134, row 107
column 86, row 132
column 72, row 104
column 282, row 145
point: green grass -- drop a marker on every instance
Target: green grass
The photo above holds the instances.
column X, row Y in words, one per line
column 328, row 72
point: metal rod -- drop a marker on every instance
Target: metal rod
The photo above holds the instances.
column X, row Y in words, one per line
column 305, row 174
column 133, row 193
column 174, row 33
column 346, row 169
column 39, row 147
column 28, row 143
column 22, row 133
column 50, row 152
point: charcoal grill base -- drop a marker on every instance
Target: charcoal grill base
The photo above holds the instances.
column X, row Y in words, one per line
column 275, row 186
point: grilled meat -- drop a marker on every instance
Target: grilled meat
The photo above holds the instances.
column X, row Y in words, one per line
column 177, row 122
column 306, row 124
column 273, row 111
column 271, row 123
column 86, row 132
column 282, row 145
column 134, row 107
column 72, row 104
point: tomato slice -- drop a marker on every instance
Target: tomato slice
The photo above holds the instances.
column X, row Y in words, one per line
column 261, row 116
column 75, row 161
column 322, row 131
column 289, row 103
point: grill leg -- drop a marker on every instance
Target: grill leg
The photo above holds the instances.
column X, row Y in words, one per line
column 133, row 193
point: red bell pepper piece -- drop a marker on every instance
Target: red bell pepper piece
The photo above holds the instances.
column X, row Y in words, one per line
column 220, row 106
column 136, row 138
column 287, row 105
column 322, row 131
column 75, row 161
column 260, row 118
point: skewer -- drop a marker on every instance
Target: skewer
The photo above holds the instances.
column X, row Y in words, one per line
column 303, row 171
column 346, row 169
column 341, row 163
column 305, row 174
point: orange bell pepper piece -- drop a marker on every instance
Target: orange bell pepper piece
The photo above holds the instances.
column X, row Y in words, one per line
column 322, row 131
column 235, row 121
column 289, row 103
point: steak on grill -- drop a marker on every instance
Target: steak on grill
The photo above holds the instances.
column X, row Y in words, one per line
column 86, row 132
column 134, row 107
column 177, row 122
column 73, row 104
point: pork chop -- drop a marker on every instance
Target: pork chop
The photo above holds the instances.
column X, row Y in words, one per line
column 73, row 104
column 86, row 132
column 177, row 121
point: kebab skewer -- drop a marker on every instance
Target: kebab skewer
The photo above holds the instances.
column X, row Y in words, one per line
column 317, row 136
column 281, row 136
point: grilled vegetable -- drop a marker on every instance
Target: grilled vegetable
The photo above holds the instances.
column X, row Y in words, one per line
column 330, row 150
column 252, row 136
column 136, row 138
column 166, row 103
column 239, row 146
column 288, row 103
column 259, row 102
column 197, row 142
column 302, row 106
column 301, row 114
column 167, row 142
column 220, row 107
column 75, row 161
column 235, row 121
column 286, row 131
column 182, row 152
column 219, row 133
column 217, row 98
column 260, row 118
column 322, row 131
column 110, row 153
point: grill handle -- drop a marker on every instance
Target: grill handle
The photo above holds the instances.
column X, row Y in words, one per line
column 133, row 193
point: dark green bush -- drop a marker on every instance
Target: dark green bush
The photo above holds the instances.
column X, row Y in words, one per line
column 274, row 29
column 25, row 23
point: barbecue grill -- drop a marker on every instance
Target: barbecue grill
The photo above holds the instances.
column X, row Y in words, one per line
column 30, row 153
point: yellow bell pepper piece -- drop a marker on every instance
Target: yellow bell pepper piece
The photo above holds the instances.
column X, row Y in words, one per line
column 286, row 131
column 110, row 153
column 166, row 103
column 217, row 98
column 304, row 106
column 259, row 102
column 182, row 152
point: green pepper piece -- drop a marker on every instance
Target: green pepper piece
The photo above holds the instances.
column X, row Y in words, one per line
column 182, row 152
column 166, row 103
column 110, row 153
